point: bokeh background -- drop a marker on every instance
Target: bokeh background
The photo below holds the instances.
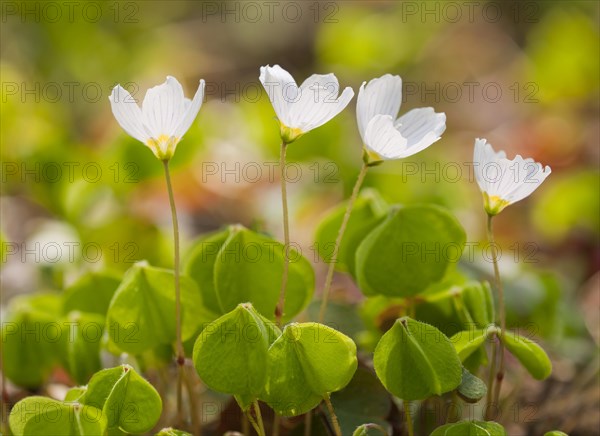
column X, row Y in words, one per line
column 524, row 75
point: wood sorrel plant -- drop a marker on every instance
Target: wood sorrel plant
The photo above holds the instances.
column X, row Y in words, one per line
column 165, row 116
column 236, row 315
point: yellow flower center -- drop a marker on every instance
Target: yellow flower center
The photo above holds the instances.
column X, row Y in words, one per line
column 494, row 204
column 163, row 147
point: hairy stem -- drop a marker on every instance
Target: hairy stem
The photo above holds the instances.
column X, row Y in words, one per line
column 179, row 343
column 196, row 423
column 334, row 419
column 491, row 377
column 501, row 310
column 338, row 241
column 286, row 236
column 408, row 417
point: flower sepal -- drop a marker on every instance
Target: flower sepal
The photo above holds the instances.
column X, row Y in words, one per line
column 371, row 158
column 289, row 134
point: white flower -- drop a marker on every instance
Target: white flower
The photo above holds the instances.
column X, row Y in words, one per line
column 503, row 181
column 305, row 107
column 164, row 118
column 384, row 135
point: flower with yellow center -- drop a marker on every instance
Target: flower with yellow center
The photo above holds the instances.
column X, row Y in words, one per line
column 384, row 135
column 305, row 107
column 165, row 115
column 503, row 181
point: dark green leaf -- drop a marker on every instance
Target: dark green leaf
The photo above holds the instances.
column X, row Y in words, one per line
column 363, row 400
column 470, row 428
column 306, row 363
column 128, row 401
column 91, row 293
column 410, row 250
column 142, row 313
column 40, row 416
column 471, row 388
column 368, row 211
column 84, row 336
column 414, row 361
column 32, row 340
column 230, row 354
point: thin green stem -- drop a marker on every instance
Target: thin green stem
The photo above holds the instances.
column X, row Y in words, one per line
column 196, row 424
column 408, row 417
column 254, row 424
column 245, row 424
column 286, row 236
column 338, row 241
column 334, row 419
column 179, row 342
column 501, row 310
column 491, row 377
column 261, row 424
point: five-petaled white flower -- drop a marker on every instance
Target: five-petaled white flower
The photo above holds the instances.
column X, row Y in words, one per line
column 164, row 118
column 305, row 107
column 384, row 135
column 503, row 181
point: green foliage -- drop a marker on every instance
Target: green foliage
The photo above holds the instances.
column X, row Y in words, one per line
column 370, row 430
column 479, row 304
column 91, row 293
column 31, row 339
column 555, row 433
column 128, row 401
column 238, row 265
column 471, row 388
column 368, row 211
column 470, row 428
column 530, row 354
column 364, row 399
column 305, row 364
column 82, row 355
column 172, row 432
column 467, row 342
column 39, row 416
column 410, row 250
column 142, row 313
column 414, row 361
column 230, row 355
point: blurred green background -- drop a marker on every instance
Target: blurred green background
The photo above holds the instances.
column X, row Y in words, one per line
column 524, row 75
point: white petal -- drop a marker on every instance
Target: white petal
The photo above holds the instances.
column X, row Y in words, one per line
column 191, row 111
column 128, row 113
column 163, row 107
column 324, row 87
column 308, row 113
column 421, row 128
column 281, row 89
column 526, row 176
column 382, row 138
column 479, row 163
column 511, row 180
column 382, row 95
